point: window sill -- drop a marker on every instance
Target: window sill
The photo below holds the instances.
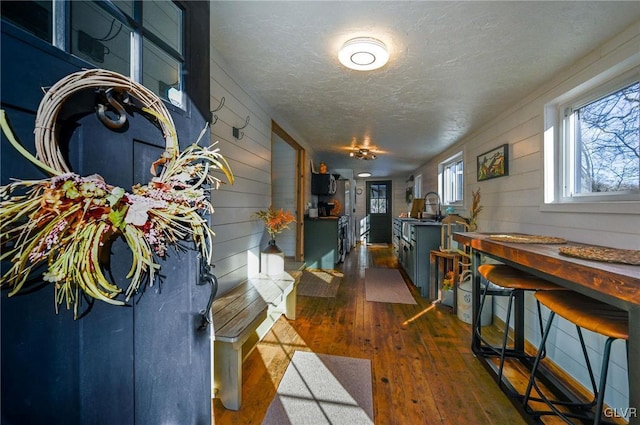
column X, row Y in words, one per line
column 620, row 207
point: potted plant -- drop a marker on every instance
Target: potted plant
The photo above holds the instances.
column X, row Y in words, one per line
column 446, row 297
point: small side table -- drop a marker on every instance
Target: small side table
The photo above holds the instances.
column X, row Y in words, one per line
column 440, row 263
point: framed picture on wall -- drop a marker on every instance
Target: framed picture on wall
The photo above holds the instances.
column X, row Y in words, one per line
column 494, row 163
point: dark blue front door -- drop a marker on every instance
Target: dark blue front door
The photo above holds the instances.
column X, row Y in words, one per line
column 142, row 364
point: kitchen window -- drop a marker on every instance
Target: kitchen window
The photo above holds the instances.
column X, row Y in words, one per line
column 592, row 145
column 451, row 176
column 417, row 187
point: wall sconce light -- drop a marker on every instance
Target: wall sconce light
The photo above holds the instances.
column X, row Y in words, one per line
column 362, row 153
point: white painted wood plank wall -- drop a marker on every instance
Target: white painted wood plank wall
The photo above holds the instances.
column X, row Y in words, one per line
column 236, row 250
column 239, row 235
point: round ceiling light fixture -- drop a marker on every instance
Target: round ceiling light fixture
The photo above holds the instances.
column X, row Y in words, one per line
column 364, row 174
column 363, row 54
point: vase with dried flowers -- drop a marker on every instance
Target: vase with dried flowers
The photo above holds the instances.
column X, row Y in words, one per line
column 275, row 221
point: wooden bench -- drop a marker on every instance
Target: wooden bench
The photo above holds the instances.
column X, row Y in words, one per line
column 241, row 317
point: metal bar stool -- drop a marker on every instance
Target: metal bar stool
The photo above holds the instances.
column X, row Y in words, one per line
column 512, row 283
column 585, row 313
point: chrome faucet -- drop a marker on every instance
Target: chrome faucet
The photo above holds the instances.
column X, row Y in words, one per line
column 438, row 205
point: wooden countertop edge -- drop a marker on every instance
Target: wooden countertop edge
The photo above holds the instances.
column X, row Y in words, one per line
column 618, row 281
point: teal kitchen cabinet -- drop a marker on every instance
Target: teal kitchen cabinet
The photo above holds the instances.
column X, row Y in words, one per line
column 417, row 239
column 323, row 244
column 427, row 238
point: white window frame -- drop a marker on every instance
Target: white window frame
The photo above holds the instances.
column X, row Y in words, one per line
column 417, row 187
column 556, row 155
column 446, row 186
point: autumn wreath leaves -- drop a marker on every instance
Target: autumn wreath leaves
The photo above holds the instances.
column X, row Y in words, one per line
column 66, row 223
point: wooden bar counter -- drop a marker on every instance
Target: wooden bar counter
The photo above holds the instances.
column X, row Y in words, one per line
column 615, row 284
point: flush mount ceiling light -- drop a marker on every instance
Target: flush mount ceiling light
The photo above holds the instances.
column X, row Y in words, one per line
column 363, row 54
column 365, row 174
column 362, row 153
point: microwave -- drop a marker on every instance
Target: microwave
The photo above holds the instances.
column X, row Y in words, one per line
column 323, row 184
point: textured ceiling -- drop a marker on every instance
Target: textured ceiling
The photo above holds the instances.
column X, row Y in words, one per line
column 453, row 67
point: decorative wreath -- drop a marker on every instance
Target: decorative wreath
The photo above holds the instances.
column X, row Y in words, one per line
column 66, row 222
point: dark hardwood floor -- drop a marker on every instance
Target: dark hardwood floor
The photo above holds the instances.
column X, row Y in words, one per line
column 423, row 370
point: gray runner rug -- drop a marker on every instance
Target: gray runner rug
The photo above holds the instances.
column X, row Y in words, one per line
column 386, row 286
column 320, row 283
column 323, row 389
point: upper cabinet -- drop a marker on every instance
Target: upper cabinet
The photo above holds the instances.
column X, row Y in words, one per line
column 323, row 184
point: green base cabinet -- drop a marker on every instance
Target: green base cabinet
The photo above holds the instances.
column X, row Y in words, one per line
column 414, row 248
column 321, row 243
column 427, row 239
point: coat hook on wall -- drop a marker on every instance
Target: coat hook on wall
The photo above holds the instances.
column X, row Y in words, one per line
column 214, row 117
column 236, row 130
